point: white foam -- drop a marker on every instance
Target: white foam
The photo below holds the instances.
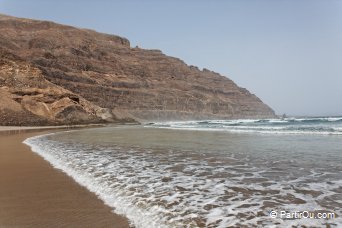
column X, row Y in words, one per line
column 139, row 217
column 252, row 130
column 131, row 182
column 290, row 126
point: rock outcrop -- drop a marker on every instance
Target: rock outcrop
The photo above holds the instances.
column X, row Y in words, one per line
column 57, row 74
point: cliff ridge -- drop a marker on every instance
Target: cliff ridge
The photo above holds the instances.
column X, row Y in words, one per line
column 57, row 74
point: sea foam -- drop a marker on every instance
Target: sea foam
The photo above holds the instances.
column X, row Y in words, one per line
column 154, row 185
column 314, row 126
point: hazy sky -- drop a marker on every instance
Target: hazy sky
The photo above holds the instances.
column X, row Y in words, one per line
column 289, row 53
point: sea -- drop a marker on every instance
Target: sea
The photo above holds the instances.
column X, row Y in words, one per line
column 214, row 173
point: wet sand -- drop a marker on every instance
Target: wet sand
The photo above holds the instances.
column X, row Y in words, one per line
column 34, row 194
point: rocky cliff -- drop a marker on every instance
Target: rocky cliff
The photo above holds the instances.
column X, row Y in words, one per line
column 57, row 74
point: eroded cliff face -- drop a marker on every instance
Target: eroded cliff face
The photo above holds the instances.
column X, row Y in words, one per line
column 27, row 98
column 59, row 74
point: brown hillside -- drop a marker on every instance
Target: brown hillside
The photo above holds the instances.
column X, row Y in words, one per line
column 51, row 73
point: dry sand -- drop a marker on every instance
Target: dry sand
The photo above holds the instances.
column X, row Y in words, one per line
column 34, row 194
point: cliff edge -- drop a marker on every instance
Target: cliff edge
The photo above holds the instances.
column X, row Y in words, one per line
column 57, row 74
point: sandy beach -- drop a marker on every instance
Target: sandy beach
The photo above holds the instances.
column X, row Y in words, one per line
column 34, row 194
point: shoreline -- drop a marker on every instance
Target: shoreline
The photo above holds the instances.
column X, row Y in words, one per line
column 33, row 193
column 21, row 129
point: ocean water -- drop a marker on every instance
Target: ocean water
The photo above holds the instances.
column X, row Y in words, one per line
column 318, row 125
column 207, row 173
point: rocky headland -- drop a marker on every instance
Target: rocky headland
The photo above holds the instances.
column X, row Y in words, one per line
column 52, row 74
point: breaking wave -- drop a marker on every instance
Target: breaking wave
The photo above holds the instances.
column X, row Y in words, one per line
column 318, row 126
